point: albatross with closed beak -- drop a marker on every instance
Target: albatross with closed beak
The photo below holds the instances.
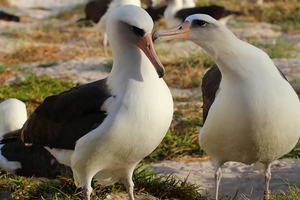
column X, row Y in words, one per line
column 103, row 129
column 254, row 116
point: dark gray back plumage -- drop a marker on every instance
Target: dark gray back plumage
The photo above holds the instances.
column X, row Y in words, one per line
column 156, row 13
column 214, row 11
column 8, row 17
column 35, row 160
column 62, row 119
column 94, row 10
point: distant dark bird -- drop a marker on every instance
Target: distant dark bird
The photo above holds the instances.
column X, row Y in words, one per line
column 8, row 17
column 217, row 12
column 156, row 13
column 94, row 10
column 253, row 115
column 105, row 128
column 15, row 157
column 175, row 12
column 98, row 11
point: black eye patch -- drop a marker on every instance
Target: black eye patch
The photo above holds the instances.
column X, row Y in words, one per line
column 197, row 23
column 139, row 32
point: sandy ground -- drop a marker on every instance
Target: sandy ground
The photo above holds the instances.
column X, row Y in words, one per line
column 124, row 195
column 236, row 176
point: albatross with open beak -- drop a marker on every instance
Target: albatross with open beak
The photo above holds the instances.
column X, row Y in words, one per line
column 103, row 129
column 254, row 117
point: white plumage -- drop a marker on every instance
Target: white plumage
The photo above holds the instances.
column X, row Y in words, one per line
column 103, row 20
column 13, row 115
column 169, row 14
column 103, row 129
column 188, row 3
column 255, row 114
column 138, row 118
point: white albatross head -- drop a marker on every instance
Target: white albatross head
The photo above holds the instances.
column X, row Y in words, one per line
column 13, row 115
column 203, row 30
column 130, row 27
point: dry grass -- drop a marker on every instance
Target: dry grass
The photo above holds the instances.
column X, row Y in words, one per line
column 191, row 113
column 50, row 33
column 6, row 74
column 185, row 72
column 282, row 12
column 31, row 53
column 63, row 43
column 49, row 43
column 75, row 13
column 47, row 53
column 4, row 3
column 184, row 76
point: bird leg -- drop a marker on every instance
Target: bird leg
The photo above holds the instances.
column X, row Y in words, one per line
column 129, row 188
column 267, row 173
column 104, row 41
column 218, row 176
column 87, row 190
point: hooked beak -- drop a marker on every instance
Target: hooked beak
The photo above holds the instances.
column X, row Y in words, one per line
column 146, row 45
column 181, row 31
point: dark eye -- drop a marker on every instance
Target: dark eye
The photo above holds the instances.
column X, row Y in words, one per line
column 139, row 32
column 199, row 22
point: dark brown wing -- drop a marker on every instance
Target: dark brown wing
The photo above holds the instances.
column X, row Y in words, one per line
column 62, row 119
column 8, row 17
column 210, row 85
column 216, row 12
column 94, row 10
column 156, row 13
column 35, row 160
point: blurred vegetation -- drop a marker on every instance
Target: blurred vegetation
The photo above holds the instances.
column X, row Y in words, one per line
column 4, row 3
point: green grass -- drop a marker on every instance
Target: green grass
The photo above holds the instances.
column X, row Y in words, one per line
column 181, row 140
column 292, row 194
column 34, row 89
column 277, row 48
column 68, row 14
column 294, row 154
column 284, row 13
column 184, row 71
column 176, row 145
column 12, row 67
column 285, row 18
column 146, row 181
column 48, row 64
column 109, row 64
